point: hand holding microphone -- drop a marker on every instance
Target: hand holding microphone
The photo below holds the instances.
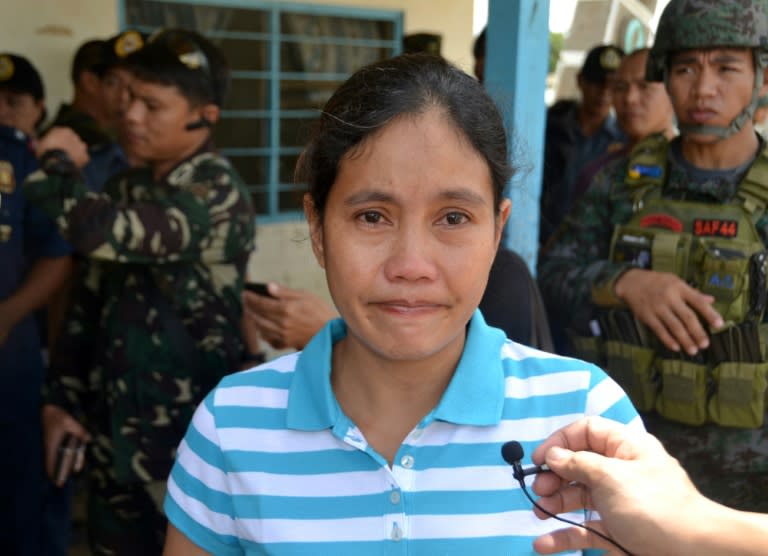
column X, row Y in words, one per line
column 512, row 452
column 645, row 499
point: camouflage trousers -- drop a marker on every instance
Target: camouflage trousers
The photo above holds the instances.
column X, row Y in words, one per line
column 728, row 465
column 123, row 519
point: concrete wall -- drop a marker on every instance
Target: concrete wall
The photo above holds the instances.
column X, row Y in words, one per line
column 283, row 254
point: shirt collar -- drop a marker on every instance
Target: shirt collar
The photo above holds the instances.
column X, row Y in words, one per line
column 311, row 402
column 475, row 394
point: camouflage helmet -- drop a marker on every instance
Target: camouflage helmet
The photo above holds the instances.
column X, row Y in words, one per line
column 687, row 24
column 691, row 24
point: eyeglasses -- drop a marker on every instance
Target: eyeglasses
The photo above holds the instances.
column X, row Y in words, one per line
column 184, row 46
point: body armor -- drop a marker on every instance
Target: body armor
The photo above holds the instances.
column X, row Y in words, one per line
column 716, row 249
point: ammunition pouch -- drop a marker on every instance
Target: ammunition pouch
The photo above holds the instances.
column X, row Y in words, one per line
column 632, row 367
column 683, row 396
column 739, row 397
column 588, row 348
column 727, row 384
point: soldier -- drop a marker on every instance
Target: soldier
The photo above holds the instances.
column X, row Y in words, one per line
column 34, row 262
column 642, row 108
column 115, row 84
column 663, row 261
column 577, row 132
column 89, row 117
column 155, row 322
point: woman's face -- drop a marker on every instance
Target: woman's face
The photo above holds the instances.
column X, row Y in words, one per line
column 408, row 237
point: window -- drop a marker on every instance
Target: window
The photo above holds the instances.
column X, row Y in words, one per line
column 286, row 60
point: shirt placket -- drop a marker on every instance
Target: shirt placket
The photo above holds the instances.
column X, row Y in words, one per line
column 401, row 478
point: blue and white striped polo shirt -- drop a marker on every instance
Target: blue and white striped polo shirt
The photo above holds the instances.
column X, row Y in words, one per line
column 271, row 465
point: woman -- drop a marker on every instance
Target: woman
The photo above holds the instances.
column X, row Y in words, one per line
column 387, row 428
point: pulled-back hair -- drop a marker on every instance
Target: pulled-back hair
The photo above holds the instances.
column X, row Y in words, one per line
column 407, row 85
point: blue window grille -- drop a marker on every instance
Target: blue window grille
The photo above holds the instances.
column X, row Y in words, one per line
column 286, row 61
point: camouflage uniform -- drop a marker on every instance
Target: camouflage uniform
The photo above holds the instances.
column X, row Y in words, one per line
column 577, row 261
column 153, row 326
column 727, row 464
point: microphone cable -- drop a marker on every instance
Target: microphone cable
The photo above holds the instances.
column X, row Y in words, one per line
column 512, row 452
column 568, row 521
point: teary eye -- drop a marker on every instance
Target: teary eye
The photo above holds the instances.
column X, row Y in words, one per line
column 371, row 217
column 455, row 218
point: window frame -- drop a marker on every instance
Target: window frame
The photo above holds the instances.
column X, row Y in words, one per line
column 274, row 75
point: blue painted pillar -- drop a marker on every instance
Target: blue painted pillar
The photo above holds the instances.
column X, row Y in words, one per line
column 517, row 50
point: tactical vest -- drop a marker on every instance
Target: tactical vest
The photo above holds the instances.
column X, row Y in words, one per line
column 715, row 248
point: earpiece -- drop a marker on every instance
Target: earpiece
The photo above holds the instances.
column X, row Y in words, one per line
column 201, row 123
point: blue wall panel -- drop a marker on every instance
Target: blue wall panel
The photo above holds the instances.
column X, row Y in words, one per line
column 515, row 74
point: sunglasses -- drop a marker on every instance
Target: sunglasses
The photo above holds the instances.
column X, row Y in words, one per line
column 186, row 49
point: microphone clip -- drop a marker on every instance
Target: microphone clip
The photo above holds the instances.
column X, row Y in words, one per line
column 517, row 471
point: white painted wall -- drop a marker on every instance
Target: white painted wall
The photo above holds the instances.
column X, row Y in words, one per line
column 49, row 31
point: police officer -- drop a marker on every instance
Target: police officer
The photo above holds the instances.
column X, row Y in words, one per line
column 22, row 96
column 155, row 323
column 661, row 268
column 34, row 262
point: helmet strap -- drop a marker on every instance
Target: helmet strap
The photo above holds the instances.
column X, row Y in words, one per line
column 746, row 115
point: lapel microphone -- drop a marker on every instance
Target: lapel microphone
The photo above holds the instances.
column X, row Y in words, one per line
column 512, row 452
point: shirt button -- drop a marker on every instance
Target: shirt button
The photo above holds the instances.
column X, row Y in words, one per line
column 397, row 533
column 407, row 461
column 394, row 496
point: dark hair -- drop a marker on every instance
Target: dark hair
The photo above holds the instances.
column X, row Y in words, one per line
column 378, row 94
column 185, row 59
column 89, row 57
